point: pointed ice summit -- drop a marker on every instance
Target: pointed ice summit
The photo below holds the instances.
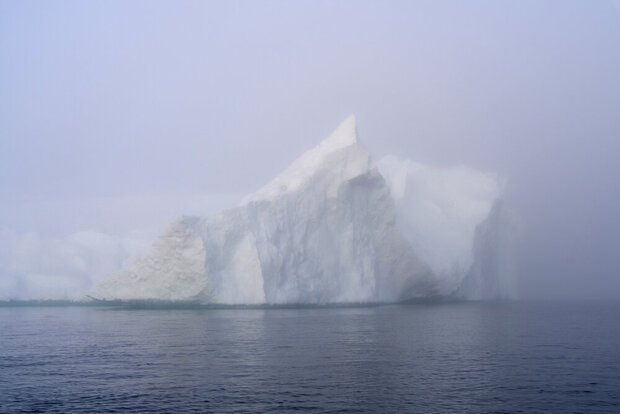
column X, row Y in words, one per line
column 331, row 229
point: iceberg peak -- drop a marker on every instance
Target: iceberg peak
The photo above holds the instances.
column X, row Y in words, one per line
column 343, row 138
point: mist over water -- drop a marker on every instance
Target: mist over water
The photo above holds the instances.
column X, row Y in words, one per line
column 117, row 117
column 136, row 141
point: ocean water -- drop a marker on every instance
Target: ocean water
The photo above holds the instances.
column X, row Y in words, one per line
column 527, row 357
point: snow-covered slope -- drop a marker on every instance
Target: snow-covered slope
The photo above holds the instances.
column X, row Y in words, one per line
column 329, row 229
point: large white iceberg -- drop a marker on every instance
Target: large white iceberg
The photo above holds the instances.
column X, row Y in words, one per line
column 334, row 228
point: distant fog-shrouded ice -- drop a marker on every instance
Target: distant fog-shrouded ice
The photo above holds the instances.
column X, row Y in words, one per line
column 37, row 267
column 117, row 117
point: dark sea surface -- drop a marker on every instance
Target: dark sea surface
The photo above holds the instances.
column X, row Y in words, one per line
column 559, row 357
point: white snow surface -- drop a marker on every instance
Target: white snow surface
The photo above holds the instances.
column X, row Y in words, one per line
column 330, row 229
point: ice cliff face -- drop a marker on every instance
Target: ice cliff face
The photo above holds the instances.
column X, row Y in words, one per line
column 493, row 270
column 438, row 211
column 329, row 229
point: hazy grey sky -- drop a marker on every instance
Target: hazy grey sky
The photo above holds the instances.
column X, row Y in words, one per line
column 116, row 116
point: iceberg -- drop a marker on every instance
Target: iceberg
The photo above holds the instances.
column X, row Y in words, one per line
column 333, row 228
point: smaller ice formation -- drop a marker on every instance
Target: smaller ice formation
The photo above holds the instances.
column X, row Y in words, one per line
column 335, row 228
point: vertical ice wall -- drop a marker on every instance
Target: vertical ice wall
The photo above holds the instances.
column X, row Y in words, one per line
column 439, row 210
column 493, row 274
